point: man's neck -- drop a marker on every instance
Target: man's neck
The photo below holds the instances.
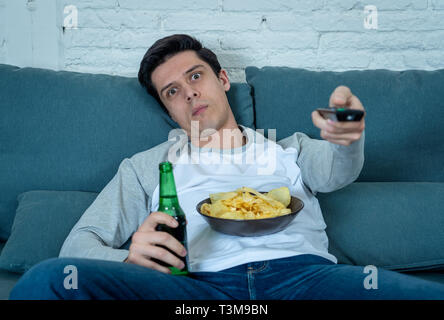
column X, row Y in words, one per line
column 223, row 139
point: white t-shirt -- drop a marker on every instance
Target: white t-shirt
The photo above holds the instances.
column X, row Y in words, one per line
column 263, row 165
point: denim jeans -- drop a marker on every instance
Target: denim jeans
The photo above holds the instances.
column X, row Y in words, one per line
column 298, row 277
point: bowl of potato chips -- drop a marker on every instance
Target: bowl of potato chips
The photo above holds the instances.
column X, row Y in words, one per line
column 246, row 212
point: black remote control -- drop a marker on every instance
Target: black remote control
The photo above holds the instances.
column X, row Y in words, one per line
column 341, row 114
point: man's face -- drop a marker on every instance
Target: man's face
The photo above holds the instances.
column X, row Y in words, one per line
column 191, row 91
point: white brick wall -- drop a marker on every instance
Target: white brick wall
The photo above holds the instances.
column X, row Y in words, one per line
column 113, row 35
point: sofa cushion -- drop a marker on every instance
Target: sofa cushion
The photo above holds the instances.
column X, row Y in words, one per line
column 7, row 282
column 405, row 112
column 64, row 130
column 435, row 276
column 41, row 225
column 398, row 226
column 7, row 279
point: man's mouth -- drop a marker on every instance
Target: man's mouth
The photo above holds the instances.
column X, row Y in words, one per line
column 199, row 110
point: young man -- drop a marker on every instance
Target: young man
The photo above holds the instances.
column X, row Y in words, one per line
column 292, row 264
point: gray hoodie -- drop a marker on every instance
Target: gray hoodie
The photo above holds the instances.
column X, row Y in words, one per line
column 125, row 202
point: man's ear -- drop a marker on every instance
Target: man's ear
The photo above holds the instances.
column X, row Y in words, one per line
column 223, row 78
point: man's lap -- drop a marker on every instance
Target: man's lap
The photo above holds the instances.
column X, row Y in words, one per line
column 298, row 277
column 99, row 279
column 340, row 281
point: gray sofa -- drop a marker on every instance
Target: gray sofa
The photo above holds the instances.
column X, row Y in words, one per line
column 63, row 135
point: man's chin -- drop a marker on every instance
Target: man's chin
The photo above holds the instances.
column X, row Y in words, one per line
column 201, row 130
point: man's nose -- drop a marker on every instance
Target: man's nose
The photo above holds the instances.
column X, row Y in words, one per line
column 191, row 93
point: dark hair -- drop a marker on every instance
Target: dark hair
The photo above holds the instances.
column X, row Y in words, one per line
column 165, row 48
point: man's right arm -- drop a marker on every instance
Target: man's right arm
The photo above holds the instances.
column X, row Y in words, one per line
column 110, row 220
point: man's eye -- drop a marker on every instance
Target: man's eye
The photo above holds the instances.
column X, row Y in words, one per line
column 171, row 92
column 195, row 76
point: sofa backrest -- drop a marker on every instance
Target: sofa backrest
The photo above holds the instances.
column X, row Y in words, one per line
column 404, row 138
column 70, row 131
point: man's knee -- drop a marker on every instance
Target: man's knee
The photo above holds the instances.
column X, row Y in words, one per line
column 49, row 279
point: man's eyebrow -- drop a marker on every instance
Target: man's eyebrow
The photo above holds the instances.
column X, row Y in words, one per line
column 186, row 72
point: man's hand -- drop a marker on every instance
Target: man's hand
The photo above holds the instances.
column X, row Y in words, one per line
column 343, row 133
column 143, row 244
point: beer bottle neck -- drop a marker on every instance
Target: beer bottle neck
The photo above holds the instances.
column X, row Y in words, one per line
column 168, row 201
column 167, row 185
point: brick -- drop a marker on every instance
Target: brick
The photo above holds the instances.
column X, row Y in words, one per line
column 124, row 39
column 338, row 21
column 293, row 58
column 288, row 21
column 236, row 75
column 433, row 59
column 136, row 38
column 270, row 40
column 85, row 37
column 437, row 4
column 104, row 57
column 170, row 5
column 407, row 59
column 381, row 41
column 208, row 39
column 110, row 69
column 145, row 38
column 411, row 21
column 353, row 20
column 424, row 60
column 90, row 4
column 116, row 19
column 380, row 4
column 431, row 40
column 211, row 22
column 393, row 60
column 342, row 60
column 240, row 59
column 271, row 5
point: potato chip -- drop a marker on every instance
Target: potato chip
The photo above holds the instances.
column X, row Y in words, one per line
column 222, row 196
column 247, row 203
column 281, row 194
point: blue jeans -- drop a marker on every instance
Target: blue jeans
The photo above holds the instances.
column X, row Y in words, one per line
column 299, row 277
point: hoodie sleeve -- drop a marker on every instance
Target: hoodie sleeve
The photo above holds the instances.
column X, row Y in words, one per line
column 325, row 166
column 110, row 220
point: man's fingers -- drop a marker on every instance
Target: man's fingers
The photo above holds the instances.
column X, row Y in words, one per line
column 147, row 263
column 318, row 120
column 155, row 218
column 355, row 103
column 344, row 126
column 151, row 251
column 343, row 136
column 341, row 132
column 337, row 127
column 159, row 237
column 167, row 257
column 340, row 97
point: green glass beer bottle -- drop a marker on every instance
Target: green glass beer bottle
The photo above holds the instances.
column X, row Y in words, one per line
column 169, row 203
